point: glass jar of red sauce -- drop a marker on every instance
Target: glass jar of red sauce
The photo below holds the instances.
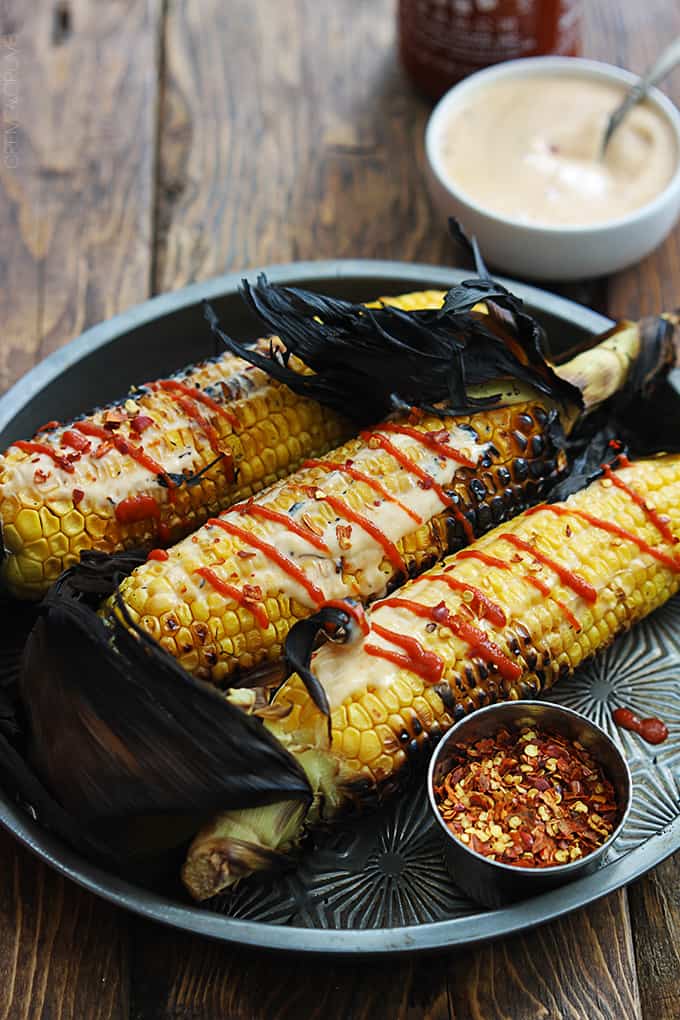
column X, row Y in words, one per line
column 442, row 41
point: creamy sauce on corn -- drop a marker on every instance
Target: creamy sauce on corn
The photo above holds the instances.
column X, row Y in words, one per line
column 529, row 149
column 105, row 481
column 348, row 670
column 354, row 563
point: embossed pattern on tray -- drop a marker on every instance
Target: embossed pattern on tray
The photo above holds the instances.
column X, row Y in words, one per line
column 387, row 869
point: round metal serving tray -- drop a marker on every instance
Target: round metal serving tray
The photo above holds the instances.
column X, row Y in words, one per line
column 381, row 886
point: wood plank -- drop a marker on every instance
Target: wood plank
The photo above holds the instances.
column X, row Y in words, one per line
column 183, row 976
column 579, row 966
column 63, row 952
column 76, row 210
column 655, row 912
column 289, row 133
column 77, row 185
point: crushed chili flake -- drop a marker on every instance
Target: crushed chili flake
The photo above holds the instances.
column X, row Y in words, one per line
column 528, row 798
column 140, row 423
column 114, row 417
column 252, row 593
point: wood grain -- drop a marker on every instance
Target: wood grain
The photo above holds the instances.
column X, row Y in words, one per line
column 76, row 207
column 77, row 189
column 178, row 976
column 655, row 912
column 288, row 132
column 63, row 953
column 580, row 966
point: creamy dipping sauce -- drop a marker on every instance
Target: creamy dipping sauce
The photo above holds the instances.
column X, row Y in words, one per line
column 529, row 149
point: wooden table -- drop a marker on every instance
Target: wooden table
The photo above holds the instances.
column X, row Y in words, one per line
column 150, row 143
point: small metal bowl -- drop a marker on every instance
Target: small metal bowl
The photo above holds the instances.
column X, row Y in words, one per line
column 489, row 882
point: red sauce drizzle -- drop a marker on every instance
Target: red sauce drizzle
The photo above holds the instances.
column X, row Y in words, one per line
column 125, row 447
column 492, row 561
column 49, row 426
column 545, row 590
column 430, row 440
column 47, row 451
column 481, row 604
column 417, row 659
column 137, row 508
column 286, row 564
column 75, row 441
column 347, row 469
column 389, row 548
column 355, row 611
column 200, row 396
column 479, row 641
column 476, row 554
column 266, row 512
column 652, row 515
column 192, row 411
column 654, row 731
column 427, row 480
column 568, row 577
column 158, row 554
column 230, row 592
column 613, row 529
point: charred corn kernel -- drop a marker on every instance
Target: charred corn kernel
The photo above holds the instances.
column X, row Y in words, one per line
column 615, row 555
column 321, row 501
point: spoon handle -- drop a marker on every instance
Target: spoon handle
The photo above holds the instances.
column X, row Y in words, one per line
column 659, row 69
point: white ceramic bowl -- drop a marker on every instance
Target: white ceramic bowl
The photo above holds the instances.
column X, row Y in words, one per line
column 546, row 252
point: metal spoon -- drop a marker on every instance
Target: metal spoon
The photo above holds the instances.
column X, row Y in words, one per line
column 659, row 69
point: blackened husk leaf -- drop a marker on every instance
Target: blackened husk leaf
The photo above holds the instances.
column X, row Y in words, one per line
column 118, row 728
column 329, row 621
column 367, row 361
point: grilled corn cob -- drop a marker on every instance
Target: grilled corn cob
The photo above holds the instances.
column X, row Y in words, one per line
column 356, row 523
column 77, row 490
column 535, row 599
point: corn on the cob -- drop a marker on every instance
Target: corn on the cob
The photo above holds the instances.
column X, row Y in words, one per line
column 86, row 485
column 220, row 604
column 63, row 496
column 537, row 597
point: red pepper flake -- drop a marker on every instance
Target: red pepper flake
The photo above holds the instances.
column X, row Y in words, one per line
column 104, row 447
column 114, row 418
column 140, row 423
column 40, row 476
column 78, row 495
column 528, row 798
